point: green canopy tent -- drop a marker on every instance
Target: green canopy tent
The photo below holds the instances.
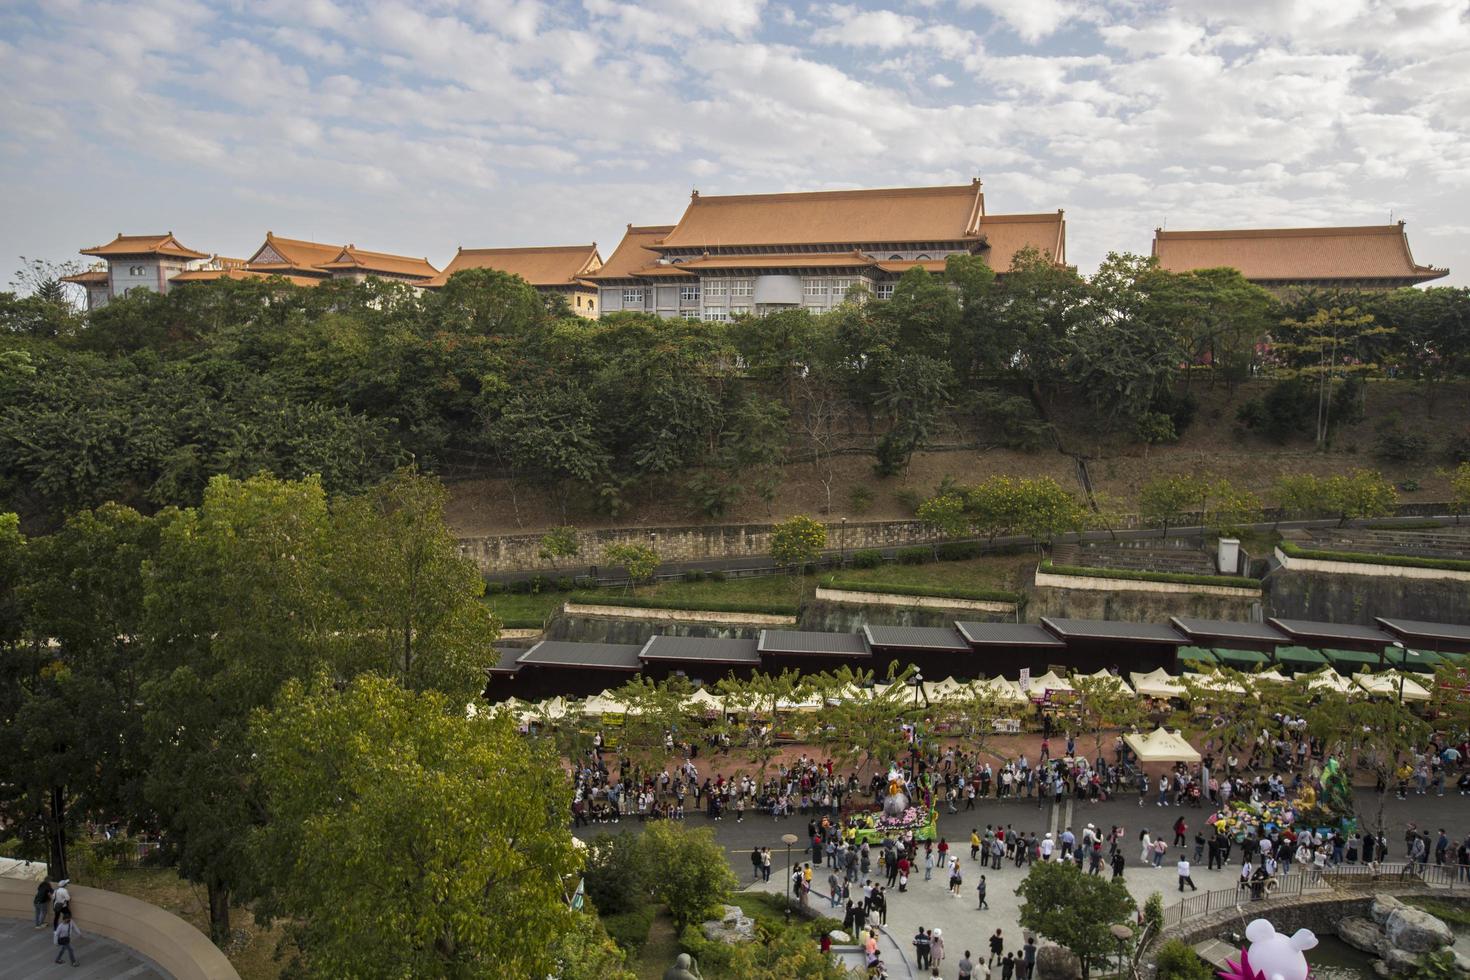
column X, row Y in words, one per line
column 1196, row 658
column 1351, row 661
column 1418, row 661
column 1241, row 659
column 1300, row 658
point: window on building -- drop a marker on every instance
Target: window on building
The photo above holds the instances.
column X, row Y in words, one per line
column 922, row 258
column 840, row 288
column 739, row 311
column 579, row 302
column 689, row 294
column 716, row 287
column 895, row 258
column 741, row 287
column 884, row 290
column 632, row 297
column 137, row 270
column 716, row 314
column 815, row 287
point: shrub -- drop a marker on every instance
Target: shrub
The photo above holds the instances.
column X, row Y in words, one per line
column 1292, row 550
column 1398, row 444
column 630, row 929
column 1290, row 407
column 616, row 877
column 565, row 584
column 958, row 550
column 859, row 499
column 1177, row 960
column 942, row 592
column 1153, row 912
column 694, row 605
column 495, row 588
column 695, row 576
column 717, row 576
column 1136, row 575
column 1457, row 446
column 909, row 497
column 912, row 556
column 867, row 558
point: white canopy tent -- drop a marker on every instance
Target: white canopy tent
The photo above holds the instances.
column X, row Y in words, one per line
column 1329, row 680
column 603, row 704
column 1273, row 676
column 1157, row 683
column 703, row 700
column 1105, row 679
column 1049, row 681
column 1162, row 745
column 1387, row 685
column 1002, row 689
column 1215, row 682
column 945, row 690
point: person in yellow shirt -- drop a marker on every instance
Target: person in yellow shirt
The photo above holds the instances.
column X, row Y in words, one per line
column 974, row 844
column 806, row 873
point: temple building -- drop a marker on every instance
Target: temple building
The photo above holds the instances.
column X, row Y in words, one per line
column 130, row 262
column 555, row 270
column 1287, row 259
column 759, row 253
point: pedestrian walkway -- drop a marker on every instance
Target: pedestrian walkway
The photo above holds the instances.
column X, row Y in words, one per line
column 26, row 953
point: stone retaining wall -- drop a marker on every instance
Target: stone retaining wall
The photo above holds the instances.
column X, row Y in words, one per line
column 1099, row 583
column 925, row 601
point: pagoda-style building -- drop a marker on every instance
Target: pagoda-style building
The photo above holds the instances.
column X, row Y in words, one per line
column 130, row 262
column 1291, row 259
column 563, row 270
column 310, row 263
column 759, row 253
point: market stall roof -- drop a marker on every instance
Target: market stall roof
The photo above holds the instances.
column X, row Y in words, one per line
column 944, row 690
column 1300, row 656
column 565, row 653
column 1417, row 632
column 1157, row 683
column 603, row 704
column 1004, row 690
column 1352, row 659
column 814, row 643
column 1216, row 683
column 1113, row 631
column 706, row 649
column 1338, row 635
column 1386, row 684
column 1228, row 633
column 1049, row 681
column 704, row 700
column 1273, row 675
column 1328, row 679
column 942, row 638
column 1162, row 745
column 1008, row 635
column 1419, row 661
column 1107, row 678
column 1197, row 655
column 1241, row 658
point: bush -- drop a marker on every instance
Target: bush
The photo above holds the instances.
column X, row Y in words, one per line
column 913, row 556
column 708, row 605
column 495, row 588
column 616, row 876
column 867, row 558
column 1136, row 575
column 693, row 576
column 717, row 576
column 1292, row 550
column 630, row 929
column 859, row 499
column 565, row 583
column 1289, row 408
column 958, row 550
column 1457, row 446
column 1397, row 444
column 1153, row 913
column 941, row 592
column 909, row 497
column 713, row 957
column 1177, row 960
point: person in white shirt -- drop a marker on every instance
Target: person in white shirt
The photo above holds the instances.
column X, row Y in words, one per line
column 1047, row 846
column 1184, row 878
column 60, row 902
column 66, row 932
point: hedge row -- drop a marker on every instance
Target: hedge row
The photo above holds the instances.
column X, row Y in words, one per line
column 1134, row 575
column 1292, row 550
column 521, row 623
column 688, row 605
column 938, row 592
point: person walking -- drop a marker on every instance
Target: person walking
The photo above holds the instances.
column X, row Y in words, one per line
column 60, row 902
column 765, row 864
column 65, row 933
column 966, row 967
column 1008, row 967
column 755, row 863
column 835, row 889
column 921, row 948
column 1184, row 878
column 42, row 901
column 1028, row 957
column 936, row 949
column 1145, row 847
column 981, row 889
column 997, row 947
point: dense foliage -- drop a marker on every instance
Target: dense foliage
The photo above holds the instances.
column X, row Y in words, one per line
column 145, row 399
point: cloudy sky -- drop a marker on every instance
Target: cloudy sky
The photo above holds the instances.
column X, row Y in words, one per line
column 416, row 127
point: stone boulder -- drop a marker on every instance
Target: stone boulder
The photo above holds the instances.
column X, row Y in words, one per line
column 1416, row 931
column 1383, row 906
column 732, row 927
column 1057, row 963
column 1400, row 961
column 1361, row 933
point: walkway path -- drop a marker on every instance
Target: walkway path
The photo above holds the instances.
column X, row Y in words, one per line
column 26, row 953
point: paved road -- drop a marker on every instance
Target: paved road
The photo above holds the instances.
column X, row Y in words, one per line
column 27, row 953
column 928, row 904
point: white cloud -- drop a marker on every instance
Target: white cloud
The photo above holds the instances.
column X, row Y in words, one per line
column 1032, row 20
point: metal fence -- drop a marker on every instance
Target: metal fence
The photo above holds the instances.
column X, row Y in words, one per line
column 1221, row 899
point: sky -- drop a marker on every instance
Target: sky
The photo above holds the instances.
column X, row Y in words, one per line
column 418, row 127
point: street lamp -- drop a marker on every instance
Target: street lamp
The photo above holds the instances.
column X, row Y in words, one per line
column 842, row 544
column 789, row 839
column 1121, row 933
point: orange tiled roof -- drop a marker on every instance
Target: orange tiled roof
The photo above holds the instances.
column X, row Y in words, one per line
column 90, row 277
column 1284, row 254
column 800, row 260
column 906, row 214
column 633, row 252
column 546, row 265
column 165, row 244
column 295, row 255
column 354, row 258
column 901, row 266
column 666, row 271
column 1007, row 234
column 211, row 275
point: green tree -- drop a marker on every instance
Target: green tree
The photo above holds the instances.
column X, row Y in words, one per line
column 945, row 516
column 784, row 953
column 1372, row 733
column 1304, row 495
column 1460, row 489
column 1362, row 494
column 1167, row 500
column 640, row 561
column 584, row 951
column 559, row 542
column 1177, row 960
column 405, row 839
column 1074, row 909
column 1105, row 704
column 757, row 697
column 692, row 871
column 1333, row 342
column 1045, row 510
column 861, row 723
column 1231, row 508
column 797, row 542
column 655, row 709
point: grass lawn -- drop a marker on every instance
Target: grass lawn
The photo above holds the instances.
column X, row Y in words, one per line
column 658, row 953
column 989, row 572
column 252, row 952
column 1452, row 913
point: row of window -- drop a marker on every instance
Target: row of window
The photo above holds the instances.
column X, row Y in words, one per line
column 688, row 296
column 736, row 288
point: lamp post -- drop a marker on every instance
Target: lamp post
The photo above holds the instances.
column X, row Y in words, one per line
column 1121, row 933
column 1403, row 665
column 788, row 839
column 842, row 543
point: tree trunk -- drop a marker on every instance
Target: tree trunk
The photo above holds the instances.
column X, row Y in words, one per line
column 219, row 912
column 56, row 838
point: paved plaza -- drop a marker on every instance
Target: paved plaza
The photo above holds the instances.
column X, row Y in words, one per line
column 27, row 953
column 929, row 904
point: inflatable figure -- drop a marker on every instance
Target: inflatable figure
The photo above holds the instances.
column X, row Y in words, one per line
column 1271, row 955
column 897, row 800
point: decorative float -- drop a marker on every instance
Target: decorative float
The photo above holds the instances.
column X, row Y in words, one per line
column 896, row 817
column 1271, row 955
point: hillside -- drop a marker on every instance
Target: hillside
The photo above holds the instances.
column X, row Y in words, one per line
column 1213, row 444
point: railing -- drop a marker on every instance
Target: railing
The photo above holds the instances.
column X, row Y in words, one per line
column 1207, row 903
column 1434, row 875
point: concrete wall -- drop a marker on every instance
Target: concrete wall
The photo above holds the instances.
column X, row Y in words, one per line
column 1097, row 583
column 1336, row 598
column 694, row 542
column 170, row 942
column 1140, row 607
